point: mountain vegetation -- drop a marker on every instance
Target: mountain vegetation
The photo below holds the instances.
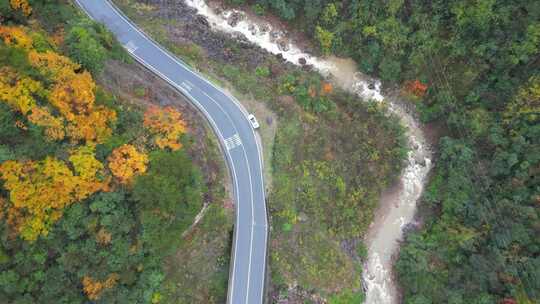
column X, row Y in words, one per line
column 94, row 194
column 474, row 68
column 329, row 157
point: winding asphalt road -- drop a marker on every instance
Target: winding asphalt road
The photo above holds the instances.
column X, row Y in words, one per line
column 238, row 140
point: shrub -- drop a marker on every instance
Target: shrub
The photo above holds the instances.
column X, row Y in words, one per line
column 262, row 71
column 259, row 9
column 85, row 48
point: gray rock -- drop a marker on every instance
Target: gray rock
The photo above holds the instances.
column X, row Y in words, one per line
column 253, row 29
column 240, row 38
column 419, row 159
column 307, row 67
column 274, row 34
column 264, row 28
column 302, row 61
column 283, row 45
column 202, row 20
column 234, row 18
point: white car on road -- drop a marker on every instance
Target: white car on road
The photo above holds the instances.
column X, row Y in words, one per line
column 253, row 121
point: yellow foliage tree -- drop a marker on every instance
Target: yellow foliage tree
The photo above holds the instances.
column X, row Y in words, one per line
column 39, row 191
column 88, row 171
column 22, row 5
column 526, row 103
column 19, row 91
column 126, row 162
column 53, row 65
column 54, row 126
column 84, row 162
column 167, row 125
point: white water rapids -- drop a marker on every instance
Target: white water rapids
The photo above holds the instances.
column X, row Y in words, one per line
column 398, row 206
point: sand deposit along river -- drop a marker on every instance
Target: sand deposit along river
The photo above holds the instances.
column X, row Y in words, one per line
column 398, row 205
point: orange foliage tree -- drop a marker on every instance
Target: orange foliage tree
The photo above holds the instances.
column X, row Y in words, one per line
column 16, row 36
column 72, row 93
column 167, row 125
column 93, row 288
column 416, row 87
column 74, row 98
column 326, row 88
column 22, row 5
column 40, row 190
column 126, row 162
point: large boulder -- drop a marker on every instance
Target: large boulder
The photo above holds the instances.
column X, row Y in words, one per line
column 235, row 18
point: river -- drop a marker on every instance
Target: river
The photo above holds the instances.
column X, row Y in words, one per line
column 398, row 204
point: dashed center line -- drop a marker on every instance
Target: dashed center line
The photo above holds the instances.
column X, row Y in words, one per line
column 187, row 85
column 233, row 142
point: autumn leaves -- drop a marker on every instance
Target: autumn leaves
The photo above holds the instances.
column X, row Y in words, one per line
column 59, row 97
column 21, row 5
column 126, row 162
column 40, row 190
column 71, row 93
column 166, row 124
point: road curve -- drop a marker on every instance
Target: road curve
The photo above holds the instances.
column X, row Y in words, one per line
column 237, row 138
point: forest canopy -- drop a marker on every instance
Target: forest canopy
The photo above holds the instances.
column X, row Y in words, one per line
column 76, row 167
column 472, row 67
